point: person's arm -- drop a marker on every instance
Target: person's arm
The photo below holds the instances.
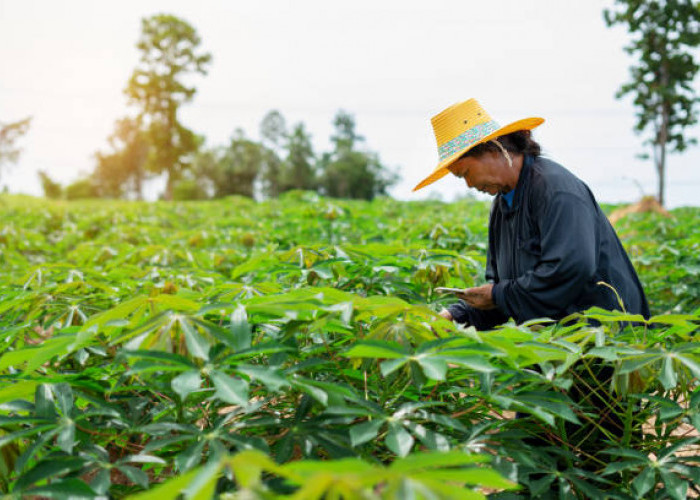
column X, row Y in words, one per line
column 568, row 241
column 481, row 319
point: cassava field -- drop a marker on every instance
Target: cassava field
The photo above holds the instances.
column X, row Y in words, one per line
column 291, row 349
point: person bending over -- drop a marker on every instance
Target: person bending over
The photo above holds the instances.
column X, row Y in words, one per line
column 551, row 250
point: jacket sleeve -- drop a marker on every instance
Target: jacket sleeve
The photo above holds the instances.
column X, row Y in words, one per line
column 481, row 319
column 568, row 261
column 467, row 315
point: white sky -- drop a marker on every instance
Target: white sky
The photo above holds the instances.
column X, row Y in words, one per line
column 392, row 63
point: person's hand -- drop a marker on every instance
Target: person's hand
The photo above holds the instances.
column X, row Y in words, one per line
column 446, row 314
column 479, row 297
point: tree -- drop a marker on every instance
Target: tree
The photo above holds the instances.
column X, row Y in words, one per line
column 52, row 189
column 273, row 133
column 298, row 169
column 345, row 136
column 233, row 169
column 666, row 33
column 9, row 134
column 351, row 173
column 169, row 55
column 124, row 169
column 81, row 189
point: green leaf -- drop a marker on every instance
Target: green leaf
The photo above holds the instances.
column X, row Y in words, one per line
column 24, row 389
column 135, row 475
column 203, row 485
column 67, row 489
column 186, row 383
column 668, row 377
column 190, row 457
column 433, row 368
column 230, row 390
column 690, row 363
column 64, row 398
column 66, row 436
column 48, row 469
column 431, row 439
column 169, row 490
column 430, row 460
column 315, row 392
column 271, row 377
column 197, row 345
column 240, row 329
column 674, row 486
column 476, row 475
column 248, row 466
column 361, row 433
column 43, row 402
column 399, row 440
column 375, row 350
column 391, row 365
column 101, row 482
column 644, row 481
column 476, row 363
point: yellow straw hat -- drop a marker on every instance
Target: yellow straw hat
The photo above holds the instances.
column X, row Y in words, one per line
column 461, row 127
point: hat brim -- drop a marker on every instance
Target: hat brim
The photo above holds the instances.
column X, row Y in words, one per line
column 443, row 167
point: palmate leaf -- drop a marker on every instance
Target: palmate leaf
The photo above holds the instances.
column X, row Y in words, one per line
column 364, row 432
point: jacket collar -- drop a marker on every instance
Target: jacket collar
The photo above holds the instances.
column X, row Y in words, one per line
column 528, row 160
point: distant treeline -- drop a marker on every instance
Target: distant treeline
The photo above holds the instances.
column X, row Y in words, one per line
column 155, row 142
column 281, row 161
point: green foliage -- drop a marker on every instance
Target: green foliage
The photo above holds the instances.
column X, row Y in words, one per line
column 291, row 348
column 298, row 170
column 189, row 189
column 169, row 55
column 123, row 170
column 666, row 36
column 52, row 189
column 81, row 189
column 351, row 173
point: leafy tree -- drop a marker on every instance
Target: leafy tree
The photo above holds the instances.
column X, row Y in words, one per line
column 273, row 133
column 345, row 136
column 81, row 189
column 9, row 134
column 233, row 169
column 352, row 173
column 169, row 55
column 666, row 34
column 273, row 129
column 51, row 188
column 124, row 169
column 298, row 169
column 189, row 189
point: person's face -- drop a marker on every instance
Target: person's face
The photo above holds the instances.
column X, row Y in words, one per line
column 485, row 173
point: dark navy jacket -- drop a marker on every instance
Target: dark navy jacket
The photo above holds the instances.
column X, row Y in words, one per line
column 548, row 253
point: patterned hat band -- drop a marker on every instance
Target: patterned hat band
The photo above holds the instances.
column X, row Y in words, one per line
column 465, row 140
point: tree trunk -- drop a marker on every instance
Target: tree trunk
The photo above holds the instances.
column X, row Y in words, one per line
column 663, row 135
column 169, row 186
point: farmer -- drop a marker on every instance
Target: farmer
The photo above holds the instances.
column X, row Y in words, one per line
column 552, row 251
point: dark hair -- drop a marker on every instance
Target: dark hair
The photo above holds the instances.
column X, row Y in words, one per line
column 519, row 142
